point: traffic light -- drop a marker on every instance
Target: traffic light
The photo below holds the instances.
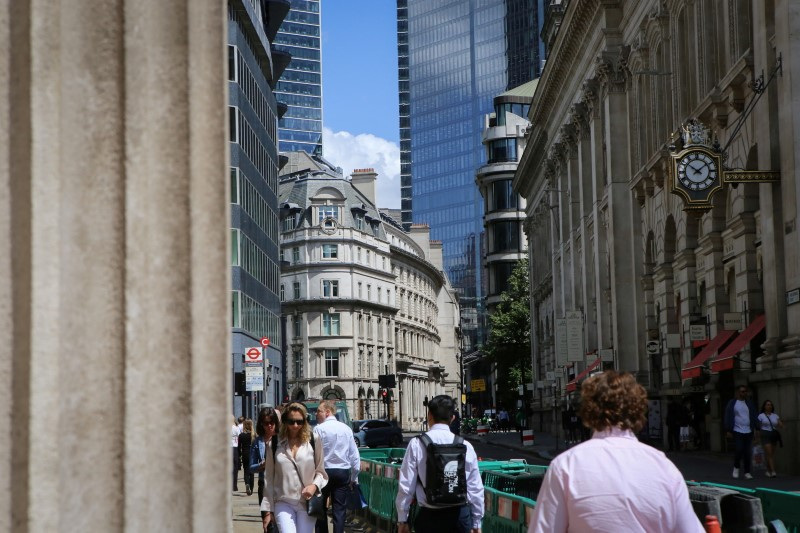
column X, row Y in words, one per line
column 385, row 395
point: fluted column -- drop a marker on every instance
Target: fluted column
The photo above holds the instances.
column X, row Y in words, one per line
column 114, row 277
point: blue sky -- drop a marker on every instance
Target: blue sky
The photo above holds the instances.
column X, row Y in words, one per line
column 359, row 84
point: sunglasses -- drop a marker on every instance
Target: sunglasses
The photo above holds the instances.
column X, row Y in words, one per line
column 295, row 422
column 268, row 423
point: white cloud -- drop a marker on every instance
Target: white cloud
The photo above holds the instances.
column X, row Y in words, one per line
column 365, row 150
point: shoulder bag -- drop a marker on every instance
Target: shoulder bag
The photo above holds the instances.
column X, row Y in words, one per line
column 315, row 506
column 776, row 435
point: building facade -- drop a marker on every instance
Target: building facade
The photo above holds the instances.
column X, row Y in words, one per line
column 253, row 71
column 361, row 298
column 300, row 86
column 453, row 58
column 694, row 302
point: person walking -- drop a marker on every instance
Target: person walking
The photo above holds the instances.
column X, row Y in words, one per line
column 612, row 482
column 769, row 423
column 740, row 421
column 342, row 463
column 673, row 425
column 502, row 417
column 246, row 438
column 449, row 500
column 237, row 464
column 267, row 426
column 455, row 425
column 293, row 474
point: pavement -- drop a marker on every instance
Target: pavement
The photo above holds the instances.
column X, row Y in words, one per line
column 695, row 465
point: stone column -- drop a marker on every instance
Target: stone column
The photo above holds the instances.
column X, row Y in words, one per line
column 115, row 293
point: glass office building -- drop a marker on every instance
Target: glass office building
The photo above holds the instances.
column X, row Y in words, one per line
column 253, row 68
column 300, row 86
column 454, row 57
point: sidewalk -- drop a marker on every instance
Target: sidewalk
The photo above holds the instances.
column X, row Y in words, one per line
column 694, row 465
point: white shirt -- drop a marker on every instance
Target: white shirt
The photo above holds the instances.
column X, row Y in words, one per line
column 281, row 479
column 416, row 456
column 764, row 420
column 235, row 431
column 339, row 446
column 613, row 483
column 741, row 417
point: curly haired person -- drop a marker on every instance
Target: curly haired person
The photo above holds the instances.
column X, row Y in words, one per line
column 612, row 482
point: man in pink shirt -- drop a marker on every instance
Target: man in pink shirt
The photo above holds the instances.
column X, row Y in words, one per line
column 612, row 482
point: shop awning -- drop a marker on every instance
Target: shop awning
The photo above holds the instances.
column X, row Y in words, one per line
column 694, row 368
column 573, row 385
column 725, row 359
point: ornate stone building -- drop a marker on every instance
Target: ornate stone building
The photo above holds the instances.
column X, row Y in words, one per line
column 693, row 302
column 361, row 297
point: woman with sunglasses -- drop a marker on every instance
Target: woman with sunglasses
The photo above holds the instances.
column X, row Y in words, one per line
column 267, row 426
column 294, row 475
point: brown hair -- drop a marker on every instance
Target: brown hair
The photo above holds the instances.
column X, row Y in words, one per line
column 248, row 426
column 327, row 405
column 613, row 399
column 267, row 414
column 305, row 429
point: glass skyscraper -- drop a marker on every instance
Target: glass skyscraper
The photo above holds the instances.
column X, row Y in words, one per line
column 454, row 57
column 300, row 86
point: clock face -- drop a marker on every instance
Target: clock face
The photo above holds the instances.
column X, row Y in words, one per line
column 697, row 171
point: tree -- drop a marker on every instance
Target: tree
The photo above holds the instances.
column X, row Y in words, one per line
column 509, row 343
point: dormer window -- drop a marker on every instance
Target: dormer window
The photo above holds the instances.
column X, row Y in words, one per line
column 289, row 222
column 358, row 220
column 328, row 215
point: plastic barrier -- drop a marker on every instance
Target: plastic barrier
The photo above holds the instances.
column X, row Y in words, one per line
column 735, row 510
column 522, row 483
column 780, row 505
column 505, row 513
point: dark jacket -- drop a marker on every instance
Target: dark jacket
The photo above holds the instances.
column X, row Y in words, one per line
column 728, row 418
column 245, row 443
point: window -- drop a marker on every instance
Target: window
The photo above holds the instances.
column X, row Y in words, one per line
column 296, row 290
column 330, row 288
column 330, row 323
column 379, row 295
column 330, row 251
column 358, row 220
column 359, row 290
column 505, row 236
column 235, row 248
column 295, row 255
column 298, row 365
column 326, row 212
column 369, row 292
column 358, row 254
column 503, row 150
column 502, row 196
column 283, row 292
column 368, row 258
column 288, row 223
column 383, row 263
column 332, row 363
column 298, row 326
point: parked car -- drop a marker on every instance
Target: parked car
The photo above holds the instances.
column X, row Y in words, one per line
column 377, row 433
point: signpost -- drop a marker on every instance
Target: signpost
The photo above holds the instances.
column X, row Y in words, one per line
column 264, row 341
column 477, row 385
column 575, row 350
column 254, row 378
column 561, row 341
column 254, row 355
column 653, row 348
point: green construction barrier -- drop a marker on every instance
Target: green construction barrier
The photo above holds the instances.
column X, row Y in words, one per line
column 505, row 513
column 383, row 490
column 781, row 505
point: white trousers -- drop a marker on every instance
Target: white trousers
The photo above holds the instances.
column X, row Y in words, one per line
column 293, row 518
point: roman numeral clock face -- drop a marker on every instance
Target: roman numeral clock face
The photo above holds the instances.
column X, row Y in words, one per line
column 697, row 171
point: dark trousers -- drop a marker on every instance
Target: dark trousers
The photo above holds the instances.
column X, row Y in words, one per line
column 674, row 437
column 743, row 446
column 337, row 490
column 236, row 466
column 450, row 520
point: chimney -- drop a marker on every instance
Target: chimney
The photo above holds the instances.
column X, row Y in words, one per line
column 364, row 179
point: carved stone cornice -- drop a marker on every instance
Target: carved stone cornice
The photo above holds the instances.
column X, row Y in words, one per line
column 569, row 140
column 611, row 69
column 579, row 118
column 589, row 97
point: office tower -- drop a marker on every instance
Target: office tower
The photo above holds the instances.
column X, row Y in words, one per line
column 253, row 69
column 454, row 57
column 300, row 86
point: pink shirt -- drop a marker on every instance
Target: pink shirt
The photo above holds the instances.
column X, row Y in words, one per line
column 613, row 483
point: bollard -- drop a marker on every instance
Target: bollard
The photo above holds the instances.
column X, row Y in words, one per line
column 527, row 437
column 712, row 524
column 483, row 430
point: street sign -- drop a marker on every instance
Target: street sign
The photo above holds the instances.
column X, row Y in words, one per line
column 697, row 332
column 673, row 340
column 561, row 341
column 733, row 321
column 463, row 399
column 653, row 348
column 550, row 376
column 254, row 355
column 606, row 354
column 264, row 341
column 575, row 350
column 254, row 378
column 477, row 385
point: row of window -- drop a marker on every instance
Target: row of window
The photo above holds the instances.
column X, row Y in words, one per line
column 330, row 289
column 310, row 113
column 256, row 262
column 243, row 134
column 239, row 72
column 502, row 150
column 501, row 196
column 245, row 193
column 254, row 318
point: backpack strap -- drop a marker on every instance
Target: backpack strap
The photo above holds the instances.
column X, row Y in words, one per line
column 426, row 441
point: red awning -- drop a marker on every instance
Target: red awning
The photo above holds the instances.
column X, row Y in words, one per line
column 725, row 359
column 573, row 385
column 694, row 368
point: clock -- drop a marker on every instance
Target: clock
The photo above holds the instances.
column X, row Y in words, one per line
column 697, row 170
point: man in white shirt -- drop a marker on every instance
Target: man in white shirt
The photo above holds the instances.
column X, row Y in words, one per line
column 740, row 422
column 413, row 480
column 342, row 463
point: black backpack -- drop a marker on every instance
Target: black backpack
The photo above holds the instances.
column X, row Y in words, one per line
column 445, row 472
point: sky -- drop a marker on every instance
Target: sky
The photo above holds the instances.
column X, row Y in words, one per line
column 359, row 91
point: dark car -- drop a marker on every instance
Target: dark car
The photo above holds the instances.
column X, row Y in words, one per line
column 377, row 433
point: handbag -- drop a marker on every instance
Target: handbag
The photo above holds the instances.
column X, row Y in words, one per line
column 315, row 506
column 776, row 435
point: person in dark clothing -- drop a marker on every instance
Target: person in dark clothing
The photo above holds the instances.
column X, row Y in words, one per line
column 455, row 424
column 246, row 439
column 673, row 426
column 740, row 422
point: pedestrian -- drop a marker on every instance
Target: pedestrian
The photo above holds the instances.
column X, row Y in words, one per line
column 572, row 425
column 235, row 431
column 612, row 482
column 455, row 425
column 293, row 474
column 769, row 423
column 267, row 427
column 440, row 470
column 673, row 425
column 685, row 420
column 502, row 416
column 246, row 439
column 342, row 463
column 740, row 422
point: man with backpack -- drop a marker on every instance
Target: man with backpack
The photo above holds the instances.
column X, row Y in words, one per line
column 440, row 470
